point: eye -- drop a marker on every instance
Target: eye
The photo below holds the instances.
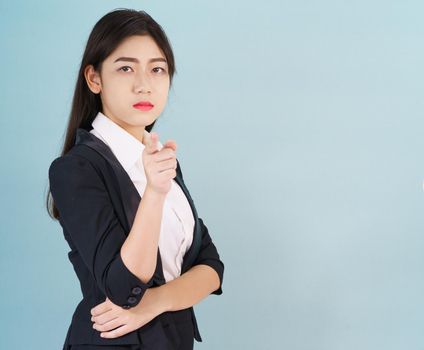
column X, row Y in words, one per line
column 124, row 68
column 160, row 68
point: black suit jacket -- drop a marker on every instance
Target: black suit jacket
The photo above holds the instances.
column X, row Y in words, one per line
column 97, row 203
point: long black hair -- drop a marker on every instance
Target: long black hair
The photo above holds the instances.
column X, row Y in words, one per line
column 106, row 35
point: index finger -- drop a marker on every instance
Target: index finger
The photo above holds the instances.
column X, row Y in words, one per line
column 151, row 142
column 100, row 309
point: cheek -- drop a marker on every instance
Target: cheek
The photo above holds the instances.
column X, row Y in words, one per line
column 113, row 91
column 163, row 90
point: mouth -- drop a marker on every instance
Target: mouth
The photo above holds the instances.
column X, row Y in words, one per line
column 143, row 105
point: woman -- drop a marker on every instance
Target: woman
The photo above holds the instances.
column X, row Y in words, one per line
column 141, row 253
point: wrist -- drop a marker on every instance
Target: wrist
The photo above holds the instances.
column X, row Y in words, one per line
column 153, row 195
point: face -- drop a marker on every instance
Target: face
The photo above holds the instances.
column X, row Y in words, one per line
column 135, row 72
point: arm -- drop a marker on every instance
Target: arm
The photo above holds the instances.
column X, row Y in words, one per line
column 187, row 289
column 88, row 218
column 139, row 251
column 204, row 278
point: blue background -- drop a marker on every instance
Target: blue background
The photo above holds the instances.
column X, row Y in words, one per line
column 299, row 126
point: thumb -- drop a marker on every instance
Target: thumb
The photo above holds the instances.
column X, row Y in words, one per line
column 152, row 142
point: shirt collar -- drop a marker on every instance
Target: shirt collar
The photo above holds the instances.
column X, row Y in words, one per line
column 125, row 146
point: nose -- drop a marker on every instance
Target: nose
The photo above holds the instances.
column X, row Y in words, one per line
column 142, row 84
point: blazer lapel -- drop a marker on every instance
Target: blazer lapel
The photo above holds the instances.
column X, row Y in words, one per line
column 130, row 196
column 127, row 188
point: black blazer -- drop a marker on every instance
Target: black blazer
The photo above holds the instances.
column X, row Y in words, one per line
column 97, row 203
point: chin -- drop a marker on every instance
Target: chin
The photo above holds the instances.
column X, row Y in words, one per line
column 140, row 119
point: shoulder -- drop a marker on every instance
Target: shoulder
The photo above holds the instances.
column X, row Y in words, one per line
column 80, row 160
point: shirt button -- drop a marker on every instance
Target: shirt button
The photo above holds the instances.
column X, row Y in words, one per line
column 136, row 290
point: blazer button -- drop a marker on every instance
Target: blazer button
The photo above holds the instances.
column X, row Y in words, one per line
column 126, row 306
column 132, row 300
column 136, row 290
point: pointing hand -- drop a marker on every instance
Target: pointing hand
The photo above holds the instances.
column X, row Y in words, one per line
column 159, row 165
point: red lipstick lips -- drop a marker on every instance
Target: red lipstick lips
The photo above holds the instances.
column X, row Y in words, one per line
column 143, row 105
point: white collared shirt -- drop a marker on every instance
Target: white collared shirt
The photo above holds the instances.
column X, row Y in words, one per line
column 177, row 225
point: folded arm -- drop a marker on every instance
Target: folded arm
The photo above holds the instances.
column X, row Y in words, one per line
column 188, row 289
column 203, row 278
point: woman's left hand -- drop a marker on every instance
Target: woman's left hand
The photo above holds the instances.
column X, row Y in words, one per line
column 113, row 321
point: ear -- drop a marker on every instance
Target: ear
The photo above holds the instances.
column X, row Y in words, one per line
column 93, row 79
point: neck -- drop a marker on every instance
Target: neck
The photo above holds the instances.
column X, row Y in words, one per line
column 137, row 132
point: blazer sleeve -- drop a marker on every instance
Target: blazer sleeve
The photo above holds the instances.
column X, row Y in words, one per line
column 208, row 255
column 87, row 215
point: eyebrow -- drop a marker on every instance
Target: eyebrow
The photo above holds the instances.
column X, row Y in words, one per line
column 135, row 60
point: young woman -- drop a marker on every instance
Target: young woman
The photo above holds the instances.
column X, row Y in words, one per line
column 141, row 253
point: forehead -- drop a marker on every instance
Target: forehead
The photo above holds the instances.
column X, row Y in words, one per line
column 142, row 47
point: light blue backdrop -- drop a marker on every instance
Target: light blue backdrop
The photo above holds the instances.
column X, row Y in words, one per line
column 299, row 126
